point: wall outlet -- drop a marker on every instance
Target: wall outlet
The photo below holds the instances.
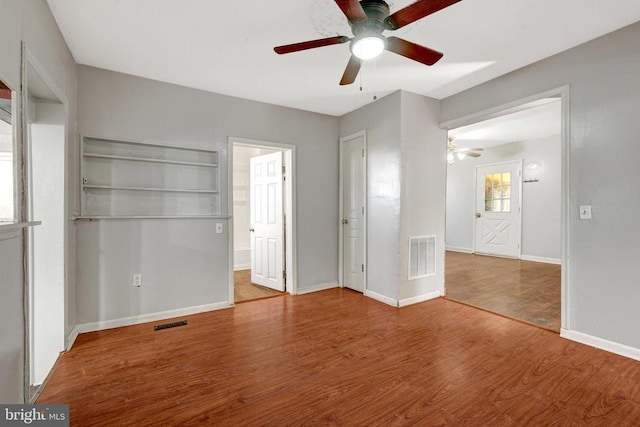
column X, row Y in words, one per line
column 137, row 280
column 585, row 212
column 219, row 227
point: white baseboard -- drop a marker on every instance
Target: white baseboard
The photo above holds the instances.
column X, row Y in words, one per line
column 71, row 338
column 420, row 298
column 379, row 297
column 241, row 259
column 541, row 259
column 316, row 288
column 454, row 249
column 143, row 318
column 610, row 346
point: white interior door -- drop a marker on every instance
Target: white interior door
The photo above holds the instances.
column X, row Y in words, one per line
column 267, row 231
column 353, row 213
column 498, row 215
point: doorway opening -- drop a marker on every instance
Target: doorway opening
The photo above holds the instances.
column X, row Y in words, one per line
column 44, row 118
column 506, row 221
column 262, row 244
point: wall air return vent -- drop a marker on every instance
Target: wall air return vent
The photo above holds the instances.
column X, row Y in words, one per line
column 422, row 256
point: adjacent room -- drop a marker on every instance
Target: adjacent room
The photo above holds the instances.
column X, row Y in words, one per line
column 411, row 212
column 504, row 219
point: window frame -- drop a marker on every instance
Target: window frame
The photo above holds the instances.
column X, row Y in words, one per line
column 18, row 221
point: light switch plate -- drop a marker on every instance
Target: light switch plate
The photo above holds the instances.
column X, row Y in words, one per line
column 219, row 227
column 585, row 212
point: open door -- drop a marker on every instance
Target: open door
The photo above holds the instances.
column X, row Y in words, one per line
column 498, row 217
column 267, row 228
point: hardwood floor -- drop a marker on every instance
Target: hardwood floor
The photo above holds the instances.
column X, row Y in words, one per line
column 244, row 290
column 524, row 290
column 338, row 358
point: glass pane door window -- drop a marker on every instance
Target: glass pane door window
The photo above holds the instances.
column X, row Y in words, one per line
column 497, row 192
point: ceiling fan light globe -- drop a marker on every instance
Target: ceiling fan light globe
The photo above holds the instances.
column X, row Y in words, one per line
column 368, row 46
column 450, row 158
column 461, row 155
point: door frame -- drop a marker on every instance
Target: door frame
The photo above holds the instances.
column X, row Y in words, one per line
column 520, row 164
column 29, row 60
column 363, row 134
column 291, row 252
column 564, row 93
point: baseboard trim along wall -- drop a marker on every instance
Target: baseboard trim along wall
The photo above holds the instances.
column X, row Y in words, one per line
column 317, row 287
column 241, row 259
column 540, row 259
column 379, row 297
column 463, row 250
column 610, row 346
column 143, row 318
column 420, row 298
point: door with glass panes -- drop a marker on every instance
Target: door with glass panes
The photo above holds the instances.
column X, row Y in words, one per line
column 498, row 217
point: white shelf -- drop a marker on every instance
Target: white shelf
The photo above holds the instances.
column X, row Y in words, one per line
column 149, row 160
column 130, row 179
column 169, row 190
column 96, row 217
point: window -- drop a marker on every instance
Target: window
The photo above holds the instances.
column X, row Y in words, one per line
column 497, row 192
column 7, row 187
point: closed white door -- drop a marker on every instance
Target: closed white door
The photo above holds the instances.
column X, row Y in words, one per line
column 498, row 215
column 267, row 232
column 353, row 213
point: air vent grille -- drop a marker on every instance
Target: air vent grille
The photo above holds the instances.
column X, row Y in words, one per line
column 422, row 256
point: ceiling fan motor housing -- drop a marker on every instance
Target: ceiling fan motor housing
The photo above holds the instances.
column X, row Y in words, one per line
column 377, row 11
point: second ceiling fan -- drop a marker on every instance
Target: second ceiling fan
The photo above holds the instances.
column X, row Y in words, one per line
column 368, row 19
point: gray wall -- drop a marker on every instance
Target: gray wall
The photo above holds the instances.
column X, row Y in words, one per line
column 423, row 174
column 31, row 22
column 604, row 126
column 191, row 258
column 541, row 201
column 381, row 120
column 406, row 159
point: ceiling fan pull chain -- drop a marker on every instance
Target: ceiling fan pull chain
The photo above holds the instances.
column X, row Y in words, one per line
column 375, row 85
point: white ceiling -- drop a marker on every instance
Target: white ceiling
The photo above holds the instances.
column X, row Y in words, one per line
column 227, row 46
column 536, row 120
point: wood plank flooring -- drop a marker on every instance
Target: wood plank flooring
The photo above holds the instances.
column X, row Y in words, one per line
column 338, row 358
column 524, row 290
column 244, row 290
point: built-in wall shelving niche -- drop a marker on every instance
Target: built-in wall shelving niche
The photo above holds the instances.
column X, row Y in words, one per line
column 121, row 179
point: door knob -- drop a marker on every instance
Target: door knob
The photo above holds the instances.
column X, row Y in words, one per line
column 345, row 221
column 478, row 214
column 251, row 230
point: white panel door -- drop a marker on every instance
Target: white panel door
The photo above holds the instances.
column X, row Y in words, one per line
column 353, row 202
column 267, row 232
column 498, row 215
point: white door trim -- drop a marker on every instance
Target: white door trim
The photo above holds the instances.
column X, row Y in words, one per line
column 291, row 258
column 519, row 164
column 564, row 93
column 362, row 134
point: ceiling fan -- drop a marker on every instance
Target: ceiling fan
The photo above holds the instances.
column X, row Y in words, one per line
column 453, row 151
column 368, row 19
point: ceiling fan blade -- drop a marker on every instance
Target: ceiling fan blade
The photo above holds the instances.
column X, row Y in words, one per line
column 464, row 149
column 312, row 44
column 415, row 11
column 472, row 154
column 413, row 51
column 352, row 10
column 5, row 92
column 352, row 70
